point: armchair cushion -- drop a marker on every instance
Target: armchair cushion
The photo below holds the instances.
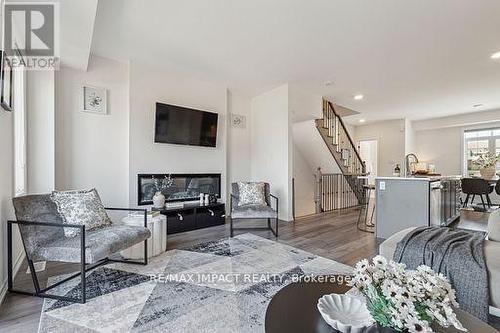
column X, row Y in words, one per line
column 253, row 212
column 99, row 244
column 80, row 207
column 251, row 193
column 236, row 193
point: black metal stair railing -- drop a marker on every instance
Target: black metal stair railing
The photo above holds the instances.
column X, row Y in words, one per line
column 336, row 192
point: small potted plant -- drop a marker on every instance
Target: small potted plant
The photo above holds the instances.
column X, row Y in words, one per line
column 402, row 300
column 160, row 186
column 487, row 165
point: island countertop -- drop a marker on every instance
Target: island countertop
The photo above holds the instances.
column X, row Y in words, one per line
column 421, row 178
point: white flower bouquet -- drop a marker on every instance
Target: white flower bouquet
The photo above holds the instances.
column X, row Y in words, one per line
column 406, row 300
column 162, row 184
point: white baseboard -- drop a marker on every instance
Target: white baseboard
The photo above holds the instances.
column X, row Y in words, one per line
column 15, row 269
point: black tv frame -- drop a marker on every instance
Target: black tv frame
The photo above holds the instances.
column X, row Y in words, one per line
column 174, row 175
column 187, row 108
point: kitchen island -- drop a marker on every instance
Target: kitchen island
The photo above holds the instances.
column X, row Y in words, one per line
column 403, row 202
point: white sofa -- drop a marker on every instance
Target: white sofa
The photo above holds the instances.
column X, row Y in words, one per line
column 491, row 252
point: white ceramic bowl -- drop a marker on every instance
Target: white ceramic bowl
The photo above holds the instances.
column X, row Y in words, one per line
column 345, row 313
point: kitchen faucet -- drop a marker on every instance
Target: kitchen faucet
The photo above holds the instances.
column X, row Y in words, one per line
column 410, row 159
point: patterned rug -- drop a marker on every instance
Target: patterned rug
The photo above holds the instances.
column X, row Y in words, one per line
column 220, row 286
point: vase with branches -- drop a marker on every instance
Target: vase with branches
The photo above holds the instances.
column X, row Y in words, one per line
column 161, row 184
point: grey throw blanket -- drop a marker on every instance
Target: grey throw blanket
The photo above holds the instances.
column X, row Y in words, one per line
column 458, row 254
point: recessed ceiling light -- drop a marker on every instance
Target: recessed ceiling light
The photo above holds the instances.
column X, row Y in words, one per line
column 362, row 120
column 495, row 55
column 477, row 105
column 358, row 97
column 328, row 83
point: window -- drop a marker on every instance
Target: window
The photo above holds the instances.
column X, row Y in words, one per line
column 476, row 143
column 19, row 131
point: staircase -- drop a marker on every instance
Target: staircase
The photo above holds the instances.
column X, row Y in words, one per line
column 334, row 133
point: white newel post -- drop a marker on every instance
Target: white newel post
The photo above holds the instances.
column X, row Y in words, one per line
column 317, row 191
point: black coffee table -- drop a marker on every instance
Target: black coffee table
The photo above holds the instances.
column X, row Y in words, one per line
column 294, row 309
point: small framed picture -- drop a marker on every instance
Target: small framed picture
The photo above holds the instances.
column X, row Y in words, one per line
column 6, row 83
column 238, row 121
column 94, row 99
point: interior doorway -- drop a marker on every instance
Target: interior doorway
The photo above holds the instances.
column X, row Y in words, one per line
column 368, row 149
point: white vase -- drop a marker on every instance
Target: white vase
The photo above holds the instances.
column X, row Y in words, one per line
column 487, row 173
column 158, row 200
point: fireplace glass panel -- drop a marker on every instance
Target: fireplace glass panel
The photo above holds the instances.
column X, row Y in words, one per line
column 185, row 187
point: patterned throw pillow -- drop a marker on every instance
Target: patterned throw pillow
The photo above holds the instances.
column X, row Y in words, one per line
column 82, row 208
column 251, row 194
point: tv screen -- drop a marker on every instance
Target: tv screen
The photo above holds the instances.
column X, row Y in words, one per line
column 184, row 126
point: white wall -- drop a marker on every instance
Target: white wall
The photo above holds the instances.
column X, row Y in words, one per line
column 271, row 144
column 303, row 174
column 304, row 105
column 310, row 152
column 7, row 189
column 149, row 85
column 440, row 141
column 410, row 137
column 391, row 143
column 92, row 149
column 480, row 118
column 442, row 147
column 40, row 119
column 311, row 145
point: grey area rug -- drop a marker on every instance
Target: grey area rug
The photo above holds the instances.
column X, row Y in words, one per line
column 220, row 286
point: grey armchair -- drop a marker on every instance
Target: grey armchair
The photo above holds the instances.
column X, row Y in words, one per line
column 42, row 233
column 253, row 211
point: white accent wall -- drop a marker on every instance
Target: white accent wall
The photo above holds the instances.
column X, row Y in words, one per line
column 92, row 149
column 271, row 145
column 108, row 151
column 149, row 85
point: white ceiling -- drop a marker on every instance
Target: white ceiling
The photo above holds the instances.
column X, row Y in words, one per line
column 413, row 58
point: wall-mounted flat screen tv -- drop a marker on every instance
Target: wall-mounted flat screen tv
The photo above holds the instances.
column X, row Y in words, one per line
column 185, row 126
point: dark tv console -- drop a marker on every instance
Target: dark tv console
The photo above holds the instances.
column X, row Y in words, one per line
column 194, row 216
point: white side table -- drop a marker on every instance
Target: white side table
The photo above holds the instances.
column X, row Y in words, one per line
column 157, row 243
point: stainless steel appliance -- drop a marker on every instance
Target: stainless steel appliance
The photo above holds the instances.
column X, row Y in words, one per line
column 435, row 203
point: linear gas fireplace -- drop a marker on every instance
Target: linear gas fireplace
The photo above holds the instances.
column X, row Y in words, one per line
column 185, row 187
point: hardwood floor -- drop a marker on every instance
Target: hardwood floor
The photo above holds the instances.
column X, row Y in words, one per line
column 332, row 235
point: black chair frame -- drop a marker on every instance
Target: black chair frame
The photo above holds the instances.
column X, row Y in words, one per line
column 479, row 188
column 42, row 292
column 274, row 231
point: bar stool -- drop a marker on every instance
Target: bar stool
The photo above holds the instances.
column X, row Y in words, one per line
column 368, row 223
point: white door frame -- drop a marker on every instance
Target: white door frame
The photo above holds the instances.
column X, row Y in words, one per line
column 376, row 140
